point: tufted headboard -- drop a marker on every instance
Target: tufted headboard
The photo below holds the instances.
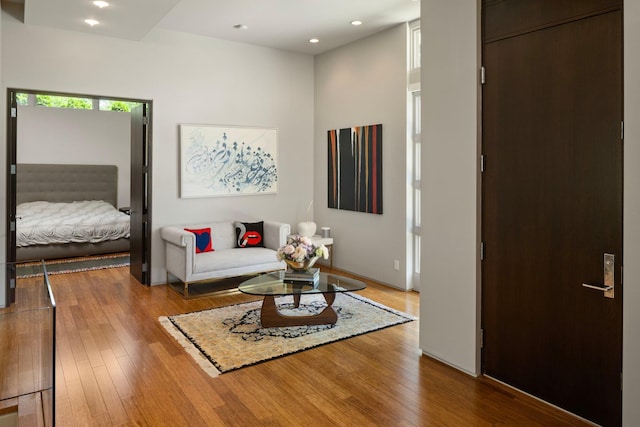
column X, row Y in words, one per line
column 66, row 183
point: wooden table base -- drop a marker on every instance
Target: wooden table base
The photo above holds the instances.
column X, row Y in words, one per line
column 270, row 316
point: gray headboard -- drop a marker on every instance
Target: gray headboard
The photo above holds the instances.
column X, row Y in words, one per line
column 66, row 183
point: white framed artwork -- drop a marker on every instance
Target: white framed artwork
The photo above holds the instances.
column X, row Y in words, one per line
column 227, row 161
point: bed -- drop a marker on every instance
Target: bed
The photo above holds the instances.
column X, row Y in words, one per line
column 66, row 211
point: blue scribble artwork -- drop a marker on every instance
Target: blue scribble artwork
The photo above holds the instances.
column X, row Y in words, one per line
column 225, row 161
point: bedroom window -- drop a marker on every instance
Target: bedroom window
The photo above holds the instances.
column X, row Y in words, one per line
column 22, row 99
column 64, row 102
column 114, row 105
column 43, row 100
column 40, row 100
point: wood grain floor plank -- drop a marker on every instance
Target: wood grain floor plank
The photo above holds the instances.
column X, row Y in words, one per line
column 90, row 388
column 91, row 347
column 112, row 401
column 79, row 410
column 117, row 375
column 116, row 365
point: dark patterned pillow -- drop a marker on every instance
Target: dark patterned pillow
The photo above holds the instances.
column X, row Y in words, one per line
column 249, row 234
column 203, row 239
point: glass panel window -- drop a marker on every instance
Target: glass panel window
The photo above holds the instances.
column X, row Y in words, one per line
column 417, row 208
column 114, row 105
column 22, row 98
column 417, row 191
column 64, row 102
column 416, row 42
column 416, row 253
column 417, row 112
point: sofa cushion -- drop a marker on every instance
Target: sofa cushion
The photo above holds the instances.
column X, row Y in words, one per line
column 249, row 234
column 203, row 239
column 233, row 258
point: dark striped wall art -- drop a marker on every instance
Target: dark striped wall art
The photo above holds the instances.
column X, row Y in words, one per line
column 355, row 168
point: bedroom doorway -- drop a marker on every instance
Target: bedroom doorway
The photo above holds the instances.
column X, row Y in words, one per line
column 133, row 170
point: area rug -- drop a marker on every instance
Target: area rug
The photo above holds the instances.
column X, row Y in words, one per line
column 71, row 265
column 228, row 338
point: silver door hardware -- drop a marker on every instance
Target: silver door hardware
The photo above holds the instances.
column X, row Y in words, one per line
column 609, row 277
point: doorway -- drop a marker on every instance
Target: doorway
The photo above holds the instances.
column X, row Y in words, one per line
column 552, row 203
column 140, row 140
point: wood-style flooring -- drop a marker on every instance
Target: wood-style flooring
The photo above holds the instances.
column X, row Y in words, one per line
column 117, row 366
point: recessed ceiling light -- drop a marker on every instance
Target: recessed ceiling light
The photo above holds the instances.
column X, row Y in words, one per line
column 91, row 22
column 101, row 3
column 240, row 27
column 314, row 41
column 356, row 23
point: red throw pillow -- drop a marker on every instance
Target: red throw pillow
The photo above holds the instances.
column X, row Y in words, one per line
column 203, row 239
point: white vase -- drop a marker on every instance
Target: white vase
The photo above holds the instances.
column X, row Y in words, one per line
column 307, row 228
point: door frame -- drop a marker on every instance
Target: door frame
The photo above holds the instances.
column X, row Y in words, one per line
column 140, row 260
column 12, row 147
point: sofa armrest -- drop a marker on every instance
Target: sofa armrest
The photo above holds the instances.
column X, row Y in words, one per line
column 178, row 236
column 180, row 250
column 275, row 234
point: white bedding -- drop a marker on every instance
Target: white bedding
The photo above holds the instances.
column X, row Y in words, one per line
column 93, row 221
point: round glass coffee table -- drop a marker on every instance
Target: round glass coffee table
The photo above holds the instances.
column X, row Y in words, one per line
column 271, row 285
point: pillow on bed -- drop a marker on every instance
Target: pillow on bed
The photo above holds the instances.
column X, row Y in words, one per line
column 203, row 239
column 249, row 234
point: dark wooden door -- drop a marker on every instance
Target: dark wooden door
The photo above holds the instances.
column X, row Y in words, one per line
column 140, row 239
column 551, row 209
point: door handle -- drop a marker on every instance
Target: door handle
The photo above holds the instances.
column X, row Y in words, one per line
column 598, row 287
column 609, row 277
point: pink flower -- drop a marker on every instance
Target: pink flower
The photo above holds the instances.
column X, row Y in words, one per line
column 300, row 253
column 299, row 249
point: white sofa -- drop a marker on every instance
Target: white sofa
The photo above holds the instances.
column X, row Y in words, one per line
column 226, row 260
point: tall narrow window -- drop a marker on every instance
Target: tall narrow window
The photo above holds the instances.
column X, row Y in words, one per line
column 414, row 149
column 416, row 42
column 417, row 191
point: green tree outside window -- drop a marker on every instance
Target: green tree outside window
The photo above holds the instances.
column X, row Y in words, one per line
column 75, row 103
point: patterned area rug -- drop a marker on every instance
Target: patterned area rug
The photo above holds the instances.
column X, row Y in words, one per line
column 71, row 265
column 228, row 338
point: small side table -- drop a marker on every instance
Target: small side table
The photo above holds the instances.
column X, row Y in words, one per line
column 328, row 242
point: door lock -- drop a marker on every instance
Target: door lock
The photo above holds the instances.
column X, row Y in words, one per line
column 609, row 277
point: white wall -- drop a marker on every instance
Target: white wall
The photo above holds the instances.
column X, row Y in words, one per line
column 448, row 301
column 190, row 79
column 449, row 310
column 70, row 136
column 631, row 238
column 365, row 83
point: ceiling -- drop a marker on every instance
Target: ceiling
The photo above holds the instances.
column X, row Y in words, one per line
column 280, row 24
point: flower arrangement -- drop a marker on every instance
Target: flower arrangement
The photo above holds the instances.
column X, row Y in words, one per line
column 300, row 249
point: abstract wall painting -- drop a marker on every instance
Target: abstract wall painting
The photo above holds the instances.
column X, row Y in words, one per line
column 227, row 161
column 355, row 168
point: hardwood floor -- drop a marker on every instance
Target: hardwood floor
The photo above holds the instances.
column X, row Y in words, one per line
column 117, row 366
